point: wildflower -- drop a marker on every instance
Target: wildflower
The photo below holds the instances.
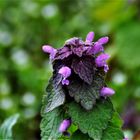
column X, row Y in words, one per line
column 65, row 72
column 65, row 124
column 101, row 61
column 90, row 37
column 103, row 40
column 80, row 56
column 50, row 50
column 98, row 46
column 106, row 91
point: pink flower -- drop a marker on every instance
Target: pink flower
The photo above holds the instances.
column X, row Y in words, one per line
column 65, row 72
column 65, row 124
column 103, row 40
column 106, row 91
column 98, row 46
column 89, row 37
column 101, row 61
column 50, row 50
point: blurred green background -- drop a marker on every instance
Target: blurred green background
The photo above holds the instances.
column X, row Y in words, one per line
column 26, row 25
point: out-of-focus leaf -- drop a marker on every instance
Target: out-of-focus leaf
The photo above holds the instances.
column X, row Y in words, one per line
column 128, row 45
column 137, row 135
column 6, row 127
column 109, row 9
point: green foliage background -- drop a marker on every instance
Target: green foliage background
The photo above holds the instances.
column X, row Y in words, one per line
column 25, row 25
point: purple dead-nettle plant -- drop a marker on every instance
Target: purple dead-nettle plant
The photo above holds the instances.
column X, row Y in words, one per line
column 77, row 90
column 75, row 51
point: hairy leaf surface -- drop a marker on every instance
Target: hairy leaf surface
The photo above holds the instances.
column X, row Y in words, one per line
column 84, row 93
column 50, row 124
column 55, row 95
column 92, row 122
column 113, row 131
column 78, row 135
column 85, row 68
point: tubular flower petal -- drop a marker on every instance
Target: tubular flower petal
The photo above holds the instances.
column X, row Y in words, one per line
column 65, row 72
column 101, row 61
column 50, row 50
column 106, row 91
column 65, row 124
column 96, row 48
column 90, row 37
column 103, row 40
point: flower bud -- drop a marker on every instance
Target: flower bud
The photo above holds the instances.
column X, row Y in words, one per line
column 50, row 50
column 103, row 40
column 65, row 124
column 106, row 91
column 90, row 37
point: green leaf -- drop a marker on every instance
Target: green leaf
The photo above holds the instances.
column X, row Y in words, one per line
column 127, row 43
column 113, row 131
column 51, row 114
column 55, row 94
column 78, row 135
column 6, row 127
column 92, row 122
column 50, row 124
column 84, row 93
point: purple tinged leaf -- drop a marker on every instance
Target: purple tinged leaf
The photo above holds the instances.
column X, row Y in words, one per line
column 106, row 91
column 71, row 41
column 84, row 68
column 63, row 53
column 86, row 94
column 65, row 124
column 90, row 37
column 78, row 51
column 76, row 45
column 50, row 50
column 103, row 40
